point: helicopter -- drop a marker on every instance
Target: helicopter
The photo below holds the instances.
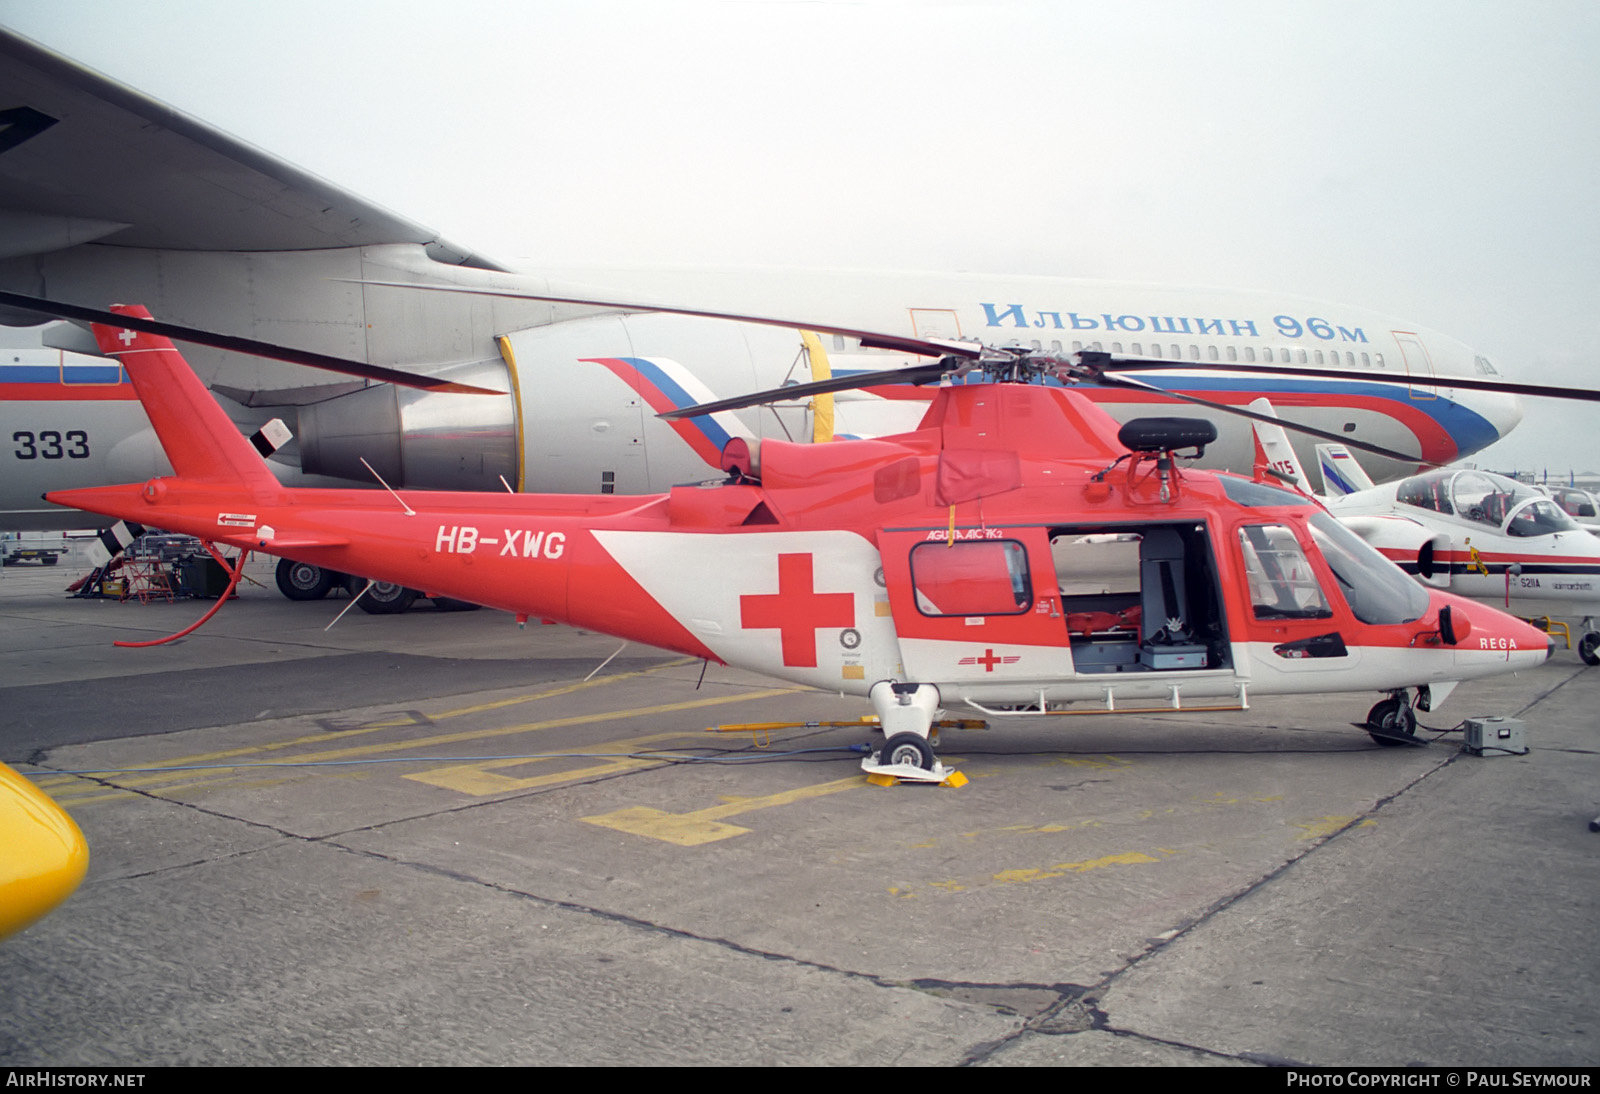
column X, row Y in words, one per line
column 1017, row 555
column 1478, row 533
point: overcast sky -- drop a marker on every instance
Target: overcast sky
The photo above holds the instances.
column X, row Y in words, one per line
column 1436, row 160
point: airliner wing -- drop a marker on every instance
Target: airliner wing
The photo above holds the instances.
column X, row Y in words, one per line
column 85, row 158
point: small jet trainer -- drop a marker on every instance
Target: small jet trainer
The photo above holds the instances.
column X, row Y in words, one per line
column 1016, row 555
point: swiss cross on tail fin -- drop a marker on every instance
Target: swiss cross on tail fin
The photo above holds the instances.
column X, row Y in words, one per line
column 200, row 440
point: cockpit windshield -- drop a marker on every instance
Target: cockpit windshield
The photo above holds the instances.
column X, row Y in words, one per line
column 1539, row 517
column 1376, row 589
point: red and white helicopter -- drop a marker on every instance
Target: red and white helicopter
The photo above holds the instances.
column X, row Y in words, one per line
column 1474, row 532
column 1016, row 554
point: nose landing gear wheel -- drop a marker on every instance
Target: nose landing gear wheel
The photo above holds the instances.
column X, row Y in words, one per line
column 1589, row 648
column 1392, row 724
column 907, row 748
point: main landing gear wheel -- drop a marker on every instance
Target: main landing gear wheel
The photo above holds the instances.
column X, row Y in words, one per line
column 387, row 598
column 907, row 748
column 1392, row 724
column 1589, row 648
column 302, row 581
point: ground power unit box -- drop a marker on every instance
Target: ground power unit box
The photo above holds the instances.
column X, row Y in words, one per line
column 1494, row 737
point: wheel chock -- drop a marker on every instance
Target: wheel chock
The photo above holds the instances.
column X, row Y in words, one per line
column 890, row 774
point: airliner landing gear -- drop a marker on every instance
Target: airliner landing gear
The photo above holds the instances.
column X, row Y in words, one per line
column 906, row 713
column 1392, row 723
column 303, row 581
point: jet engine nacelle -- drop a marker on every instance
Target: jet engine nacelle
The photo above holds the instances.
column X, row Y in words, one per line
column 421, row 439
column 581, row 413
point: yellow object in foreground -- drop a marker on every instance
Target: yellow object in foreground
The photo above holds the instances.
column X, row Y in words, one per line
column 42, row 854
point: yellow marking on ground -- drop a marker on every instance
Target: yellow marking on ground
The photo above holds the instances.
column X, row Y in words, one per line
column 373, row 727
column 706, row 825
column 89, row 798
column 567, row 689
column 1023, row 875
column 1091, row 763
column 155, row 781
column 482, row 779
column 1218, row 798
column 1327, row 826
column 504, row 731
column 1060, row 869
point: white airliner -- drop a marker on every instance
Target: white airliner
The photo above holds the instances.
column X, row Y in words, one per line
column 109, row 196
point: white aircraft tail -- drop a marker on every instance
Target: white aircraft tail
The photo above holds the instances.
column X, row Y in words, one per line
column 1274, row 453
column 1341, row 474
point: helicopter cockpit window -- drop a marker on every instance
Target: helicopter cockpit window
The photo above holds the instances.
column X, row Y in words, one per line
column 1539, row 517
column 1282, row 583
column 1376, row 589
column 983, row 577
column 1256, row 494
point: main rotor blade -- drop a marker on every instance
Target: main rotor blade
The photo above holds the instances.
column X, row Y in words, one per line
column 1116, row 363
column 922, row 347
column 59, row 310
column 1113, row 380
column 910, row 374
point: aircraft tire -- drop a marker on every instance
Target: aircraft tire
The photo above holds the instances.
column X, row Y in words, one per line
column 302, row 581
column 1392, row 724
column 386, row 598
column 907, row 748
column 1589, row 648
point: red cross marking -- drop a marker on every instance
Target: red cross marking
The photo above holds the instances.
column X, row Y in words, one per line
column 988, row 660
column 797, row 610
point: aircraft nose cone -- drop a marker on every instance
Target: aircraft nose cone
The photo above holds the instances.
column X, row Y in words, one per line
column 1549, row 647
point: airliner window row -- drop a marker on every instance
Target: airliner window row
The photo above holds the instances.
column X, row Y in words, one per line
column 1249, row 354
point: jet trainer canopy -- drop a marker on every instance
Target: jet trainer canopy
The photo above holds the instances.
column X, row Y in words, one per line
column 1489, row 499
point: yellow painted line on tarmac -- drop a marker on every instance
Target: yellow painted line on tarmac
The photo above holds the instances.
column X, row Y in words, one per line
column 482, row 779
column 567, row 689
column 1061, row 869
column 373, row 727
column 167, row 781
column 1327, row 826
column 707, row 825
column 1029, row 874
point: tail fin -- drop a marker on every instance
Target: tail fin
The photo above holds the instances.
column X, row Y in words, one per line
column 1341, row 474
column 665, row 385
column 200, row 440
column 1273, row 450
